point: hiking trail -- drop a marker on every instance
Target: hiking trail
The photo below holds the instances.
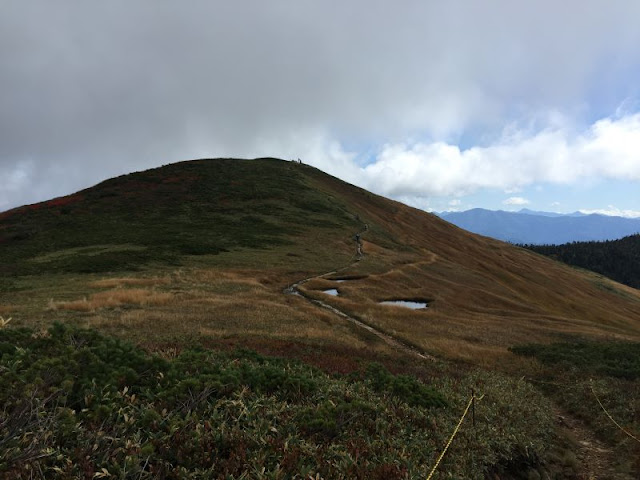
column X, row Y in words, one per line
column 390, row 340
column 595, row 459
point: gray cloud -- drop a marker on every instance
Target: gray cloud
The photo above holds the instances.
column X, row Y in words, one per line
column 93, row 89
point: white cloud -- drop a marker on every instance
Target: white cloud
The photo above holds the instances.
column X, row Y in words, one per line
column 613, row 211
column 610, row 149
column 295, row 79
column 516, row 201
column 510, row 191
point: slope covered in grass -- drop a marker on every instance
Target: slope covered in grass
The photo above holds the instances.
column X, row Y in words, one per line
column 80, row 405
column 190, row 208
column 597, row 381
column 278, row 222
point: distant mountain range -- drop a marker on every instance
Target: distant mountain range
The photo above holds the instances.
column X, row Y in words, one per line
column 543, row 228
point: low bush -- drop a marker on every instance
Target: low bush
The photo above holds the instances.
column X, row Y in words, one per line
column 76, row 404
column 615, row 359
column 404, row 387
column 580, row 376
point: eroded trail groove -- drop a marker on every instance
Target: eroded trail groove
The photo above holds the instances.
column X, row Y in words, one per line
column 595, row 459
column 388, row 339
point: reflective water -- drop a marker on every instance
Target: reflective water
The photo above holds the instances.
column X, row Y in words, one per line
column 406, row 303
column 331, row 291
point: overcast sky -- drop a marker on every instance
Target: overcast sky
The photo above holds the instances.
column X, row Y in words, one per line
column 440, row 104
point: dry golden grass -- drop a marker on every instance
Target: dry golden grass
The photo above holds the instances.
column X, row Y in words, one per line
column 129, row 282
column 115, row 298
column 478, row 310
column 4, row 321
column 479, row 305
column 485, row 295
column 219, row 305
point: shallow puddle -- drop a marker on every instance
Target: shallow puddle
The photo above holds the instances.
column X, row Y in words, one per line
column 331, row 291
column 406, row 303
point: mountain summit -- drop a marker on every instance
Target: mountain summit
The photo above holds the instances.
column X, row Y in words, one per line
column 276, row 222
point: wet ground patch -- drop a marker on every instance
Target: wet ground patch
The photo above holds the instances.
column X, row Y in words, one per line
column 412, row 303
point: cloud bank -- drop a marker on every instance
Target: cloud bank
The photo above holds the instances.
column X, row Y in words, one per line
column 609, row 149
column 409, row 100
column 613, row 211
column 516, row 201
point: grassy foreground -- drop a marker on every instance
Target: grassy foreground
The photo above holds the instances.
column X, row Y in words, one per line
column 81, row 405
column 599, row 382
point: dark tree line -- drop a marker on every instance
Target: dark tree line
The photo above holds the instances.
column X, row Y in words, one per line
column 616, row 259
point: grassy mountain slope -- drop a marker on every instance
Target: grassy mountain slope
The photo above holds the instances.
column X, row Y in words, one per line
column 198, row 254
column 196, row 208
column 483, row 292
column 267, row 223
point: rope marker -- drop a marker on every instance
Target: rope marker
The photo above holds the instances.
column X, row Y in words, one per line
column 455, row 432
column 610, row 417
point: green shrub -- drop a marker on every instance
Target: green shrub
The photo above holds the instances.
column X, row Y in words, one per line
column 404, row 387
column 76, row 404
column 616, row 359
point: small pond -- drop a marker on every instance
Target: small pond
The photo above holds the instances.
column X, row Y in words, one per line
column 331, row 291
column 406, row 303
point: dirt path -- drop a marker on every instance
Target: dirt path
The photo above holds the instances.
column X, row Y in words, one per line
column 594, row 458
column 388, row 339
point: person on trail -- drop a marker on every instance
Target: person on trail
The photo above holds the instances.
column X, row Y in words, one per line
column 356, row 237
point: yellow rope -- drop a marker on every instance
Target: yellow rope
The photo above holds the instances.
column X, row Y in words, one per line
column 452, row 436
column 610, row 417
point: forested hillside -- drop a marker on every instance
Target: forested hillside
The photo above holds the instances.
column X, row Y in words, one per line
column 616, row 259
